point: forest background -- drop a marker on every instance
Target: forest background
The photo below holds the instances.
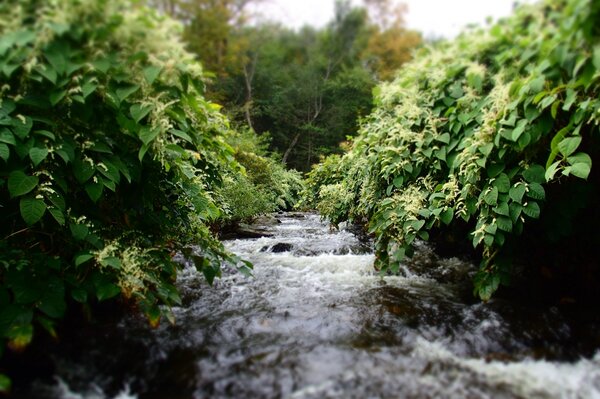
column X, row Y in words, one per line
column 302, row 91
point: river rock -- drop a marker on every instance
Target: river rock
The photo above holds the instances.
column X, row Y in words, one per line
column 266, row 220
column 279, row 247
column 244, row 231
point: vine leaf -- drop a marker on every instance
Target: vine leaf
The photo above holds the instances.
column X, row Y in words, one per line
column 20, row 184
column 151, row 73
column 581, row 165
column 532, row 209
column 37, row 155
column 569, row 145
column 4, row 152
column 32, row 209
column 517, row 192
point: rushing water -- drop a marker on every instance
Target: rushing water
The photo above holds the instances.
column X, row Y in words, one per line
column 317, row 322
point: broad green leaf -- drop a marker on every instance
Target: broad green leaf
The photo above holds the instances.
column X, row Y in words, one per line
column 491, row 197
column 491, row 228
column 110, row 171
column 139, row 111
column 147, row 134
column 502, row 183
column 94, row 190
column 48, row 72
column 4, row 152
column 57, row 200
column 504, row 223
column 88, row 88
column 518, row 130
column 537, row 84
column 83, row 170
column 37, row 155
column 515, row 211
column 7, row 137
column 142, row 151
column 182, row 135
column 581, row 165
column 45, row 133
column 79, row 231
column 551, row 171
column 569, row 145
column 398, row 181
column 532, row 209
column 102, row 65
column 488, row 240
column 486, row 149
column 535, row 174
column 57, row 215
column 210, row 273
column 596, row 57
column 517, row 192
column 494, row 170
column 106, row 291
column 444, row 138
column 111, row 261
column 81, row 258
column 151, row 73
column 56, row 56
column 22, row 128
column 56, row 96
column 558, row 137
column 125, row 92
column 536, row 191
column 8, row 69
column 502, row 209
column 571, row 98
column 20, row 184
column 446, row 216
column 554, row 109
column 546, row 102
column 32, row 209
column 475, row 81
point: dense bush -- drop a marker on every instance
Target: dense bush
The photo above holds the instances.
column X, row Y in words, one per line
column 263, row 186
column 109, row 158
column 473, row 135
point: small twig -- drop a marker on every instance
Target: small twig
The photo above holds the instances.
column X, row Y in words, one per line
column 15, row 233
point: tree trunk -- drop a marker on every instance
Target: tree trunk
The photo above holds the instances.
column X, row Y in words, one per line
column 289, row 149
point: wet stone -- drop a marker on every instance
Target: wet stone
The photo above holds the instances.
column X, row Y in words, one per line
column 278, row 248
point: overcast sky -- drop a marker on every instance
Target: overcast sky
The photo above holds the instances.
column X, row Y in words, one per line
column 434, row 18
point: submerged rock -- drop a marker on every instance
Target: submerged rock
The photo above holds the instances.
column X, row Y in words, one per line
column 245, row 231
column 266, row 220
column 279, row 247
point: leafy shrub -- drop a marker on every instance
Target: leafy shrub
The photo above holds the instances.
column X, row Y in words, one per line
column 108, row 157
column 473, row 132
column 263, row 186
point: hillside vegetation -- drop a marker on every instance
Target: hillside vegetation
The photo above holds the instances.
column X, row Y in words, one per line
column 476, row 139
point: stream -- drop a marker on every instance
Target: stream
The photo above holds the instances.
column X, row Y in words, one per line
column 316, row 321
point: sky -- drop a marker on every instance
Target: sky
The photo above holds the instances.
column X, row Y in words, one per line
column 434, row 18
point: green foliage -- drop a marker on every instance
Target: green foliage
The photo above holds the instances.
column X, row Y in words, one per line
column 263, row 186
column 472, row 132
column 109, row 155
column 308, row 88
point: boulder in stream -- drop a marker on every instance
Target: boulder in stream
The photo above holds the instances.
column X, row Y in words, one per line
column 277, row 248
